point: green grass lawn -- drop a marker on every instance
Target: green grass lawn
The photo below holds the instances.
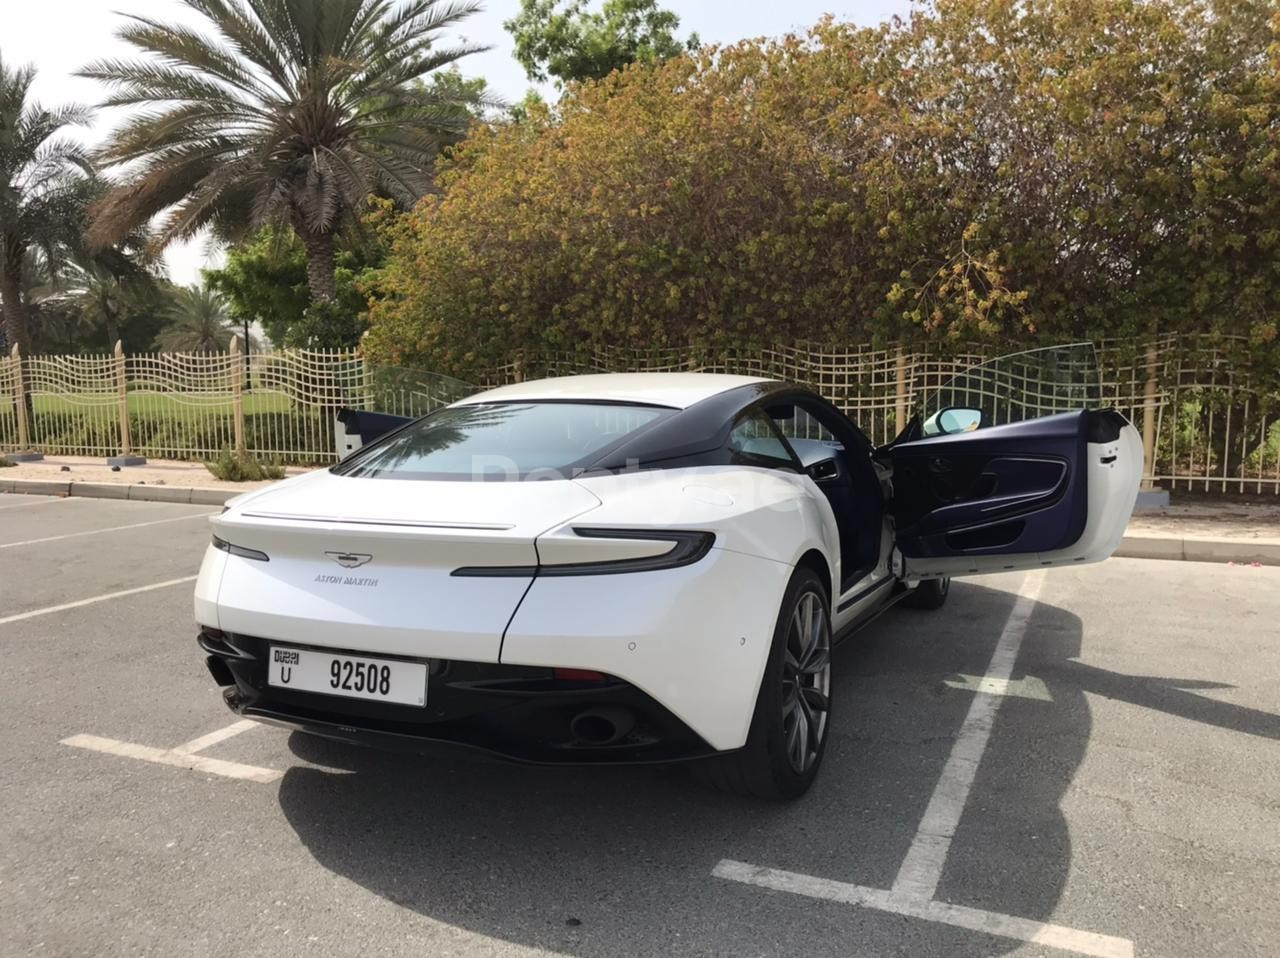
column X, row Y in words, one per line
column 164, row 426
column 169, row 407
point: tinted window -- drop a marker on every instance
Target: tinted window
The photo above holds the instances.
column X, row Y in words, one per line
column 755, row 442
column 794, row 422
column 508, row 440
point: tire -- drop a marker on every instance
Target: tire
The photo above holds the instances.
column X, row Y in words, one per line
column 929, row 594
column 781, row 759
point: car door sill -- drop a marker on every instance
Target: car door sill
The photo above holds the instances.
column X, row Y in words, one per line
column 862, row 594
column 850, row 629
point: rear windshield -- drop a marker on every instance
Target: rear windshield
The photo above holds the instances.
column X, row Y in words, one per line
column 490, row 441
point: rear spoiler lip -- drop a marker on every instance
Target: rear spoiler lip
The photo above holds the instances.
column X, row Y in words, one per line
column 365, row 521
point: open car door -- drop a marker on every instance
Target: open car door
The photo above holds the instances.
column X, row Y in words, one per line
column 415, row 392
column 1010, row 465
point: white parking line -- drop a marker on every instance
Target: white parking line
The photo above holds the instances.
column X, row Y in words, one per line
column 165, row 756
column 39, row 501
column 1027, row 687
column 918, row 877
column 97, row 598
column 213, row 738
column 97, row 532
column 974, row 919
column 917, row 880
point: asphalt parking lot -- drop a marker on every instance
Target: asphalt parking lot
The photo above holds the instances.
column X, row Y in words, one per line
column 1116, row 792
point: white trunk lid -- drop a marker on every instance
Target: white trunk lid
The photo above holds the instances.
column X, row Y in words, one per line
column 367, row 564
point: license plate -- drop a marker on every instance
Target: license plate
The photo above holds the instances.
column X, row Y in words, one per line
column 350, row 676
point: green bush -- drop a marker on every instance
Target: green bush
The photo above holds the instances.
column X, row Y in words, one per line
column 984, row 169
column 236, row 467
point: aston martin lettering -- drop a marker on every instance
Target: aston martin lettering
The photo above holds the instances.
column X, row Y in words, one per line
column 346, row 580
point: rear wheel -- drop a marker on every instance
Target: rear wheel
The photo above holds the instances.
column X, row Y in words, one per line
column 929, row 594
column 789, row 728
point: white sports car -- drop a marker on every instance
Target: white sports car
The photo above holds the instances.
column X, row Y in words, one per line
column 635, row 568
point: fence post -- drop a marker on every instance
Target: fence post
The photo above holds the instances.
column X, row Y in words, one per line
column 20, row 400
column 1149, row 420
column 126, row 457
column 237, row 397
column 900, row 400
column 121, row 388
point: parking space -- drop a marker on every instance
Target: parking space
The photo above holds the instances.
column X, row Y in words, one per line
column 59, row 550
column 1111, row 792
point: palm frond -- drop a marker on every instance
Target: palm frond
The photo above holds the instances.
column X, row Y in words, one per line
column 139, row 81
column 163, row 181
column 197, row 320
column 247, row 36
column 285, row 111
column 184, row 125
column 386, row 77
column 279, row 22
column 45, row 178
column 38, row 123
column 400, row 178
column 190, row 50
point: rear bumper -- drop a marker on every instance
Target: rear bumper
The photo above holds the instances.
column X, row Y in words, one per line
column 515, row 713
column 693, row 639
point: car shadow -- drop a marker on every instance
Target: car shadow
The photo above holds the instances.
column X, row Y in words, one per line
column 618, row 861
column 1176, row 697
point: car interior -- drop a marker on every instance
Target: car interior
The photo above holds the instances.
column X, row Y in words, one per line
column 837, row 457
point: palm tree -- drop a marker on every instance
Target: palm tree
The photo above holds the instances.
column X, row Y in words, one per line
column 96, row 295
column 40, row 188
column 199, row 321
column 95, row 287
column 292, row 112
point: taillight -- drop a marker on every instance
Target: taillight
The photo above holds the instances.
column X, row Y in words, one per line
column 687, row 548
column 241, row 551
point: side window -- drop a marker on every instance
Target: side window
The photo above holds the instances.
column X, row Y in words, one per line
column 795, row 422
column 1014, row 388
column 754, row 441
column 807, row 429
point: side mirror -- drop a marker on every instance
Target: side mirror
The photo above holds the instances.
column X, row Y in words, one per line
column 823, row 470
column 953, row 419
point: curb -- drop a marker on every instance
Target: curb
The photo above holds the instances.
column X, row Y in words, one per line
column 1266, row 552
column 191, row 495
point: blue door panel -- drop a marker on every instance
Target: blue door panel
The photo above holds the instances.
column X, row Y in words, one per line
column 370, row 425
column 1017, row 488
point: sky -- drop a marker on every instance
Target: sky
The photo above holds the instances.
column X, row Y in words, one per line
column 59, row 37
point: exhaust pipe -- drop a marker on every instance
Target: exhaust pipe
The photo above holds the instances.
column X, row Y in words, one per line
column 602, row 726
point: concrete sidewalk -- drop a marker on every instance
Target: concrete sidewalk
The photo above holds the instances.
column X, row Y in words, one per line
column 1199, row 549
column 160, row 480
column 1197, row 530
column 85, row 472
column 1206, row 530
column 214, row 494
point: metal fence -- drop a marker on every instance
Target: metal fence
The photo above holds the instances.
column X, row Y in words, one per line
column 278, row 406
column 1207, row 426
